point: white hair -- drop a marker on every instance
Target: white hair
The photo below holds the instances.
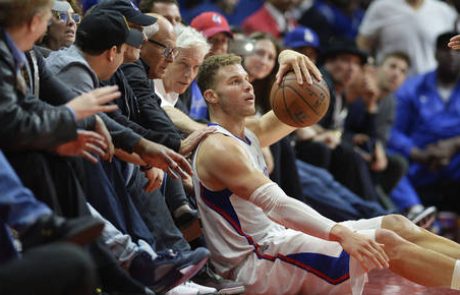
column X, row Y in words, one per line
column 151, row 30
column 188, row 37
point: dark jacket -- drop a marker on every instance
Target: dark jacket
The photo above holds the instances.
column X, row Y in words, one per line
column 152, row 116
column 129, row 112
column 26, row 122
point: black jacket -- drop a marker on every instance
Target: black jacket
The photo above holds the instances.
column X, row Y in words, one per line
column 129, row 113
column 26, row 122
column 151, row 115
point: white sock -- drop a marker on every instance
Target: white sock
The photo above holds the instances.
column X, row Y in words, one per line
column 455, row 284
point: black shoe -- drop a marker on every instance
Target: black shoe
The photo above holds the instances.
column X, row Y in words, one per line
column 207, row 277
column 184, row 215
column 52, row 228
column 169, row 269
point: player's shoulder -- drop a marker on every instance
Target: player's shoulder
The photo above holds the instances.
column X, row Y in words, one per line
column 219, row 147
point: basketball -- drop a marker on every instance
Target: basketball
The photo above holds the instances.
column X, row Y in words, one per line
column 299, row 105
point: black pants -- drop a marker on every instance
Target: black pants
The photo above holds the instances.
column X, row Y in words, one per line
column 285, row 170
column 55, row 269
column 55, row 181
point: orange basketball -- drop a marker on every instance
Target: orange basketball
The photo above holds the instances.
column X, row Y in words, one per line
column 299, row 105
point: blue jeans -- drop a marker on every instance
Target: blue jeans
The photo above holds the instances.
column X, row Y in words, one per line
column 107, row 192
column 18, row 207
column 152, row 206
column 332, row 199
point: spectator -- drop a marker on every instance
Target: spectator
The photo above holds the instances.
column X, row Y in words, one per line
column 273, row 18
column 62, row 27
column 401, row 25
column 426, row 128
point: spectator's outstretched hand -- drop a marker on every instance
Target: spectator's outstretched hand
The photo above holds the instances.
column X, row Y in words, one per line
column 154, row 179
column 86, row 145
column 159, row 156
column 454, row 42
column 190, row 142
column 94, row 102
column 303, row 67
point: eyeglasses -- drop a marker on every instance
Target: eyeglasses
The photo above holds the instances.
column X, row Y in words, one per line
column 168, row 51
column 65, row 16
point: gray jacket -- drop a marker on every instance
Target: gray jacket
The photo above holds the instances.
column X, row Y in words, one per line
column 72, row 68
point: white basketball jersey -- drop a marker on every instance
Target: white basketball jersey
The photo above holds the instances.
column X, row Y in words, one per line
column 234, row 227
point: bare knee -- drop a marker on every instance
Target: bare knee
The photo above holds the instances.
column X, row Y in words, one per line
column 402, row 226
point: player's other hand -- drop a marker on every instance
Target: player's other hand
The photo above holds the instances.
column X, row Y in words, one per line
column 368, row 252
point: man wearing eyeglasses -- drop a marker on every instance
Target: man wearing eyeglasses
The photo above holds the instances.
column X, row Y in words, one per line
column 156, row 54
column 62, row 26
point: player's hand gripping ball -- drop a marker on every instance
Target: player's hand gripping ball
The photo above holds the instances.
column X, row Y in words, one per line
column 299, row 105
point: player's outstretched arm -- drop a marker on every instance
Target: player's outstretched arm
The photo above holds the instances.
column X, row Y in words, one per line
column 234, row 172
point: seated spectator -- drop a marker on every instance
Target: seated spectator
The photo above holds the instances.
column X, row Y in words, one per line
column 234, row 11
column 426, row 129
column 369, row 121
column 169, row 9
column 333, row 19
column 305, row 41
column 62, row 27
column 273, row 18
column 390, row 26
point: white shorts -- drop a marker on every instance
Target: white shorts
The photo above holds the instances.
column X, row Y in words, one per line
column 295, row 263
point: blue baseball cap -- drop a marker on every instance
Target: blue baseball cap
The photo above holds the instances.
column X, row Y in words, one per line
column 301, row 37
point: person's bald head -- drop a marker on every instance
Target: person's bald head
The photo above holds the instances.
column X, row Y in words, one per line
column 160, row 48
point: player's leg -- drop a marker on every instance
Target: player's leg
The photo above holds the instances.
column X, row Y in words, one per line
column 295, row 263
column 420, row 265
column 421, row 237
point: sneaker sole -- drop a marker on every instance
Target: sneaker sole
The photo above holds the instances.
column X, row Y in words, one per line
column 425, row 214
column 232, row 291
column 178, row 277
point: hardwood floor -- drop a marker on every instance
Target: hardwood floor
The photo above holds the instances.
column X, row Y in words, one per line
column 384, row 282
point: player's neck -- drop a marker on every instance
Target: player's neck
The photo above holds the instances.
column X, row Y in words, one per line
column 234, row 125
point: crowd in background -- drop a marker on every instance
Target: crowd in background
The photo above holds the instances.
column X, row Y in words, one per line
column 117, row 157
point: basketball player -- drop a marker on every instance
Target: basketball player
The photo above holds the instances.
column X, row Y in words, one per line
column 276, row 244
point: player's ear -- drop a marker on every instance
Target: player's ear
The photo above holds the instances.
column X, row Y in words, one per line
column 210, row 96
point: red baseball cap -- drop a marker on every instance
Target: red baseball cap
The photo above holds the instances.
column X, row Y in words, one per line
column 210, row 24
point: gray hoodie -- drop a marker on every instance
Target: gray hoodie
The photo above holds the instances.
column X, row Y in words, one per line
column 71, row 67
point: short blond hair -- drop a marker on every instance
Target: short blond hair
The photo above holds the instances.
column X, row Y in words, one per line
column 15, row 13
column 210, row 67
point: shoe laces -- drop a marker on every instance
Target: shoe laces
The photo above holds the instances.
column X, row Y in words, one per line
column 166, row 255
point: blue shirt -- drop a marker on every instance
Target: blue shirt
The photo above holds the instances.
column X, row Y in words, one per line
column 18, row 56
column 422, row 117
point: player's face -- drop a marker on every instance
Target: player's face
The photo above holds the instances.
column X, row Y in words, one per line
column 234, row 91
column 180, row 74
column 262, row 61
column 392, row 73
